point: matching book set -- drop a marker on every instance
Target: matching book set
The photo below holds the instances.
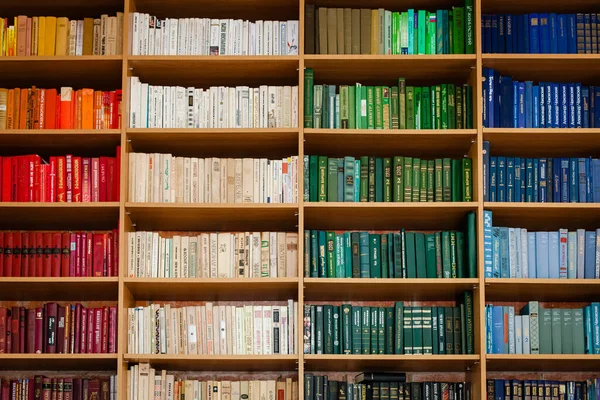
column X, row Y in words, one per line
column 73, row 388
column 542, row 389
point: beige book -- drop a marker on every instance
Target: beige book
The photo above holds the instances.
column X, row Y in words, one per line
column 231, row 179
column 347, row 31
column 288, row 388
column 178, row 186
column 281, row 254
column 265, row 255
column 226, row 390
column 280, row 390
column 88, row 36
column 375, row 31
column 189, row 389
column 209, row 329
column 163, row 384
column 254, row 390
column 224, row 255
column 295, row 390
column 223, row 328
column 238, row 183
column 62, row 36
column 201, row 335
column 216, row 330
column 245, row 390
column 203, row 390
column 365, row 31
column 120, row 26
column 229, row 329
column 263, row 390
column 240, row 263
column 142, row 379
column 111, row 36
column 216, row 180
column 192, row 330
column 214, row 260
column 35, row 29
column 209, row 390
column 271, row 390
column 255, row 255
column 339, row 16
column 381, row 32
column 249, row 329
column 267, row 330
column 208, row 180
column 183, row 331
column 235, row 390
column 50, row 37
column 273, row 253
column 223, row 181
column 169, row 329
column 96, row 37
column 355, row 31
column 291, row 254
column 322, row 30
column 247, row 180
column 204, row 256
column 332, row 31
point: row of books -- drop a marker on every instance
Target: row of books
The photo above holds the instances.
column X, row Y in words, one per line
column 205, row 36
column 380, row 31
column 389, row 179
column 68, row 178
column 542, row 389
column 163, row 178
column 213, row 329
column 398, row 254
column 541, row 330
column 56, row 329
column 59, row 254
column 154, row 106
column 212, row 255
column 508, row 103
column 36, row 108
column 148, row 384
column 546, row 33
column 517, row 253
column 444, row 106
column 73, row 388
column 59, row 36
column 399, row 329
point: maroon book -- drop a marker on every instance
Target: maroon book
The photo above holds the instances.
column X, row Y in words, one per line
column 109, row 254
column 38, row 330
column 22, row 329
column 8, row 250
column 56, row 254
column 38, row 387
column 46, row 388
column 115, row 252
column 85, row 390
column 104, row 349
column 30, row 389
column 52, row 318
column 54, row 393
column 5, row 389
column 4, row 313
column 65, row 255
column 45, row 328
column 90, row 330
column 112, row 337
column 39, row 254
column 8, row 334
column 32, row 255
column 14, row 330
column 84, row 329
column 77, row 389
column 78, row 254
column 25, row 254
column 68, row 389
column 60, row 331
column 16, row 255
column 98, row 330
column 94, row 389
column 60, row 389
column 77, row 331
column 47, row 246
column 1, row 250
column 31, row 331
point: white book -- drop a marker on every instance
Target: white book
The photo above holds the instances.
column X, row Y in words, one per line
column 166, row 37
column 141, row 170
column 279, row 106
column 256, row 116
column 239, row 36
column 162, row 334
column 181, row 108
column 245, row 35
column 215, row 37
column 208, row 167
column 190, row 107
column 201, row 177
column 512, row 252
column 162, row 258
column 223, row 32
column 231, row 108
column 207, row 117
column 135, row 107
column 178, row 180
column 135, row 41
column 294, row 106
column 214, row 264
column 169, row 258
column 177, row 256
column 273, row 254
column 197, row 98
column 148, row 254
column 255, row 252
column 239, row 179
column 151, row 35
column 275, row 36
column 239, row 331
column 259, row 37
column 292, row 38
column 272, row 107
column 231, row 38
column 166, row 120
column 217, row 329
column 72, row 38
column 158, row 38
column 244, row 121
column 267, row 330
column 216, row 180
column 258, row 330
column 132, row 169
column 131, row 252
column 155, row 254
column 270, row 166
column 283, row 331
column 223, row 181
column 283, row 38
column 185, row 257
column 187, row 180
column 252, row 39
column 173, row 36
column 287, row 107
column 263, row 180
column 256, row 179
column 156, row 178
column 268, row 38
column 223, row 329
column 166, row 174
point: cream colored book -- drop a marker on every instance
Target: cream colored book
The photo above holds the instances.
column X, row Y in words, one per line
column 204, row 271
column 271, row 390
column 194, row 263
column 235, row 390
column 291, row 256
column 217, row 329
column 223, row 181
column 247, row 180
column 256, row 180
column 185, row 257
column 179, row 187
column 258, row 330
column 265, row 255
column 224, row 255
column 112, row 33
column 174, row 179
column 249, row 329
column 192, row 330
column 273, row 252
column 226, row 390
column 209, row 329
column 255, row 255
column 208, row 180
column 240, row 258
column 263, row 390
column 177, row 256
column 216, row 180
column 169, row 329
column 187, row 180
column 245, row 392
column 231, row 174
column 281, row 253
column 162, row 258
column 267, row 330
column 201, row 177
column 238, row 183
column 240, row 347
column 214, row 263
column 229, row 329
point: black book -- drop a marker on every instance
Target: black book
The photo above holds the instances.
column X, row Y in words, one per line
column 427, row 391
column 318, row 387
column 309, row 393
column 415, row 389
column 381, row 377
column 333, row 390
column 343, row 391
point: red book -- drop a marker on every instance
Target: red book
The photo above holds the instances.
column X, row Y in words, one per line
column 84, row 330
column 91, row 314
column 68, row 389
column 115, row 252
column 68, row 323
column 60, row 392
column 76, row 329
column 79, row 255
column 4, row 313
column 5, row 389
column 8, row 334
column 112, row 330
column 7, row 179
column 39, row 329
column 33, row 161
column 14, row 329
column 99, row 260
column 23, row 179
column 56, row 256
column 1, row 164
column 86, row 180
column 113, row 121
column 73, row 254
column 65, row 254
column 52, row 318
column 76, row 179
column 25, row 254
column 110, row 178
column 61, row 178
column 47, row 183
column 22, row 329
column 98, row 323
column 39, row 254
column 37, row 183
column 89, row 254
column 16, row 256
column 46, row 388
column 117, row 180
column 57, row 123
column 95, row 189
column 32, row 254
column 54, row 395
column 31, row 331
column 52, row 189
column 47, row 254
column 104, row 349
column 103, row 178
column 109, row 254
column 14, row 165
column 60, row 331
column 1, row 253
column 9, row 239
column 69, row 176
column 50, row 120
column 94, row 389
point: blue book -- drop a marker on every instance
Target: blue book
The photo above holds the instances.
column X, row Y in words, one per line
column 529, row 181
column 542, row 197
column 549, row 181
column 486, row 170
column 499, row 389
column 510, row 31
column 524, row 25
column 488, row 330
column 578, row 106
column 523, row 183
column 542, row 106
column 590, row 255
column 498, row 329
column 518, row 25
column 572, row 116
column 501, row 172
column 484, row 96
column 446, row 28
column 507, row 102
column 411, row 29
column 493, row 178
column 596, row 103
column 487, row 244
column 593, row 107
column 504, row 255
column 573, row 181
column 528, row 104
column 582, row 180
column 555, row 105
column 585, row 105
column 596, row 327
column 521, row 99
column 553, row 254
column 517, row 185
column 515, row 105
column 501, row 34
column 356, row 181
column 562, row 47
column 494, row 33
column 489, row 83
column 486, row 26
column 536, row 106
column 496, row 252
column 541, row 251
column 553, row 30
column 549, row 108
column 571, row 34
column 544, row 34
column 564, row 185
column 589, row 342
column 596, row 180
column 534, row 33
column 564, row 106
column 531, row 255
column 510, row 179
column 556, row 181
column 536, row 180
column 589, row 181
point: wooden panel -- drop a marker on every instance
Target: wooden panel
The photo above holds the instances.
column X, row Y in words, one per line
column 543, row 142
column 216, row 71
column 542, row 362
column 384, row 362
column 72, row 289
column 65, row 8
column 388, row 143
column 352, row 289
column 36, row 362
column 545, row 216
column 386, row 215
column 526, row 6
column 498, row 289
column 59, row 216
column 207, row 289
column 393, row 5
column 278, row 362
column 59, row 141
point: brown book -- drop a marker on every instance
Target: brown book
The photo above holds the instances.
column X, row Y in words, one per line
column 31, row 331
column 309, row 29
column 88, row 36
column 62, row 36
column 104, row 389
column 332, row 31
column 355, row 31
column 339, row 15
column 365, row 31
column 375, row 31
column 347, row 31
column 322, row 21
column 21, row 35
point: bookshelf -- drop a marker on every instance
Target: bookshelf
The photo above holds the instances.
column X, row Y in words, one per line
column 109, row 72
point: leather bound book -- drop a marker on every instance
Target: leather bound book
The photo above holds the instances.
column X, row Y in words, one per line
column 91, row 325
column 309, row 33
column 112, row 330
column 37, row 387
column 8, row 249
column 77, row 389
column 52, row 328
column 65, row 255
column 30, row 349
column 97, row 330
column 4, row 389
column 74, row 320
column 16, row 255
column 56, row 250
column 14, row 330
column 54, row 393
column 94, row 389
column 39, row 254
column 4, row 313
column 77, row 328
column 47, row 254
column 22, row 329
column 60, row 330
column 38, row 330
column 1, row 242
column 60, row 389
column 8, row 334
column 105, row 389
column 83, row 348
column 104, row 347
column 68, row 388
column 45, row 328
column 108, row 254
column 25, row 254
column 46, row 389
column 32, row 254
column 99, row 259
column 89, row 248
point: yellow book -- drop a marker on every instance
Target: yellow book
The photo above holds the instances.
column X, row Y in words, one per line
column 11, row 42
column 88, row 36
column 41, row 36
column 2, row 38
column 50, row 36
column 374, row 31
column 62, row 36
column 35, row 26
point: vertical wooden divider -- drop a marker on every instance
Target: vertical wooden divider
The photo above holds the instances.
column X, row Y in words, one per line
column 300, row 330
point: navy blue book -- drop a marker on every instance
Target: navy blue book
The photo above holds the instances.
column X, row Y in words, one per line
column 542, row 107
column 534, row 33
column 515, row 104
column 582, row 179
column 493, row 178
column 572, row 113
column 499, row 389
column 573, row 181
column 564, row 106
column 524, row 25
column 561, row 45
column 487, row 33
column 544, row 34
column 528, row 104
column 578, row 106
column 596, row 180
column 552, row 24
column 589, row 180
column 523, row 183
column 549, row 108
column 593, row 106
column 518, row 25
column 486, row 171
column 596, row 107
column 510, row 32
column 506, row 102
column 536, row 106
column 494, row 33
column 501, row 174
column 542, row 197
column 529, row 181
column 549, row 181
column 564, row 185
column 517, row 174
column 556, row 181
column 510, row 179
column 501, row 33
column 496, row 100
column 555, row 105
column 585, row 105
column 521, row 109
column 571, row 34
column 536, row 180
column 489, row 83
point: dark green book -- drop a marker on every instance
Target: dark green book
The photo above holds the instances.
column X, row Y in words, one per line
column 314, row 178
column 398, row 256
column 425, row 108
column 398, row 187
column 328, row 329
column 430, row 255
column 356, row 330
column 394, row 391
column 381, row 318
column 446, row 255
column 308, row 387
column 423, row 181
column 337, row 338
column 375, row 254
column 366, row 329
column 453, row 263
column 447, row 179
column 451, row 107
column 402, row 103
column 319, row 329
column 430, row 180
column 378, row 179
column 417, row 330
column 374, row 330
column 384, row 391
column 458, row 33
column 417, row 96
column 416, row 179
column 460, row 255
column 331, row 261
column 383, row 256
column 344, row 117
column 398, row 327
column 326, row 109
column 344, row 394
column 365, row 263
column 438, row 255
column 456, row 177
column 567, row 328
column 355, row 245
column 404, row 255
column 469, row 27
column 459, row 108
column 457, row 330
column 427, row 330
column 378, row 107
column 469, row 323
column 468, row 99
column 332, row 179
column 439, row 181
column 410, row 107
column 449, row 329
column 333, row 390
column 389, row 330
column 346, row 329
column 444, row 105
column 554, row 344
column 387, row 180
column 407, row 330
column 309, row 81
column 420, row 255
column 411, row 256
column 370, row 107
column 435, row 334
column 351, row 107
column 314, row 254
column 390, row 257
column 376, row 387
column 467, row 187
column 323, row 178
column 322, row 236
column 372, row 179
column 471, row 239
column 394, row 108
column 306, row 255
column 408, row 175
column 441, row 330
column 364, row 179
column 415, row 391
column 434, row 102
column 463, row 332
column 318, row 387
column 438, row 106
column 347, row 255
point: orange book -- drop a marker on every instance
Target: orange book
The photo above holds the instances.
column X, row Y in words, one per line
column 98, row 110
column 10, row 109
column 35, row 109
column 16, row 108
column 79, row 108
column 50, row 110
column 87, row 109
column 106, row 110
column 24, row 106
column 41, row 109
column 66, row 108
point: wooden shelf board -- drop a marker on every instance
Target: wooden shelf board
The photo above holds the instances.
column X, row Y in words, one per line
column 53, row 362
column 420, row 363
column 543, row 142
column 560, row 290
column 385, row 70
column 393, row 5
column 57, row 216
column 386, row 215
column 255, row 142
column 216, row 70
column 542, row 362
column 374, row 289
column 180, row 216
column 527, row 6
column 188, row 362
column 74, row 289
column 67, row 8
column 207, row 289
column 388, row 143
column 545, row 216
column 58, row 141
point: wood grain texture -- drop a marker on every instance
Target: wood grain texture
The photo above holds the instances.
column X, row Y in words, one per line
column 34, row 362
column 384, row 362
column 52, row 289
column 59, row 141
column 542, row 362
column 546, row 216
column 277, row 362
column 498, row 289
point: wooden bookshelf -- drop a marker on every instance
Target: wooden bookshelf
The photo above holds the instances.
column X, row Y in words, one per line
column 55, row 362
column 542, row 362
column 73, row 289
column 379, row 362
column 276, row 362
column 557, row 290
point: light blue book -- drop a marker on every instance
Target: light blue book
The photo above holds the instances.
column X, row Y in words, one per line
column 563, row 253
column 487, row 244
column 541, row 242
column 531, row 255
column 590, row 254
column 526, row 345
column 411, row 31
column 572, row 255
column 488, row 329
column 496, row 252
column 504, row 254
column 553, row 254
column 580, row 253
column 357, row 180
column 497, row 330
column 512, row 253
column 511, row 330
column 518, row 270
column 596, row 326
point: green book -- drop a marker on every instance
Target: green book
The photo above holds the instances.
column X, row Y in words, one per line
column 467, row 171
column 314, row 178
column 306, row 173
column 366, row 329
column 384, row 391
column 325, row 108
column 347, row 255
column 344, row 106
column 468, row 99
column 331, row 259
column 421, row 15
column 439, row 38
column 340, row 265
column 403, row 253
column 390, row 257
column 434, row 102
column 460, row 255
column 471, row 239
column 578, row 329
column 374, row 254
column 308, row 386
column 346, row 338
column 365, row 265
column 309, row 81
column 420, row 255
column 387, row 180
column 394, row 107
column 314, row 254
column 396, row 32
column 398, row 256
column 389, row 330
column 556, row 329
column 438, row 106
column 449, row 328
column 306, row 255
column 370, row 107
column 372, row 179
column 354, row 238
column 546, row 331
column 407, row 330
column 384, row 261
column 435, row 341
column 446, row 255
column 446, row 179
column 402, row 103
column 398, row 179
column 438, row 255
column 318, row 106
column 423, row 182
column 351, row 107
column 356, row 330
column 456, row 176
column 567, row 327
column 458, row 31
column 417, row 330
column 357, row 105
column 323, row 178
column 399, row 328
column 463, row 341
column 438, row 180
column 469, row 27
column 427, row 330
column 411, row 257
column 374, row 330
column 430, row 255
column 431, row 30
column 319, row 329
column 385, row 99
column 378, row 179
column 336, row 329
column 378, row 107
column 430, row 180
column 410, row 107
column 425, row 108
column 364, row 179
column 322, row 236
column 332, row 180
column 441, row 330
column 444, row 102
column 469, row 323
column 457, row 330
column 328, row 329
column 459, row 108
column 417, row 108
column 451, row 107
column 448, row 22
column 348, row 182
column 416, row 179
column 408, row 174
column 381, row 318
